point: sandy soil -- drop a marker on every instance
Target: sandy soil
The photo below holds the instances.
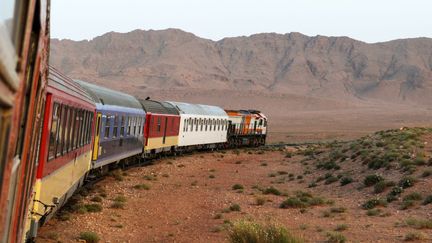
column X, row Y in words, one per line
column 190, row 191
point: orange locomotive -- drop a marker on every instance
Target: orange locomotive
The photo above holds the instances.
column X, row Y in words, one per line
column 246, row 127
column 24, row 45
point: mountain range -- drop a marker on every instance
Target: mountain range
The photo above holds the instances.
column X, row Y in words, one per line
column 278, row 73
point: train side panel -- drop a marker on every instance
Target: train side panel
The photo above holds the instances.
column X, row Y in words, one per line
column 65, row 153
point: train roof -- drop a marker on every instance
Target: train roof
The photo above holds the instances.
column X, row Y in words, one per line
column 105, row 96
column 61, row 82
column 158, row 107
column 197, row 109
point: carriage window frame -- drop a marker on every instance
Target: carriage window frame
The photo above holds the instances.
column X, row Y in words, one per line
column 53, row 133
column 115, row 126
column 122, row 126
column 129, row 125
column 66, row 130
column 71, row 128
column 107, row 127
column 159, row 125
column 139, row 125
column 60, row 126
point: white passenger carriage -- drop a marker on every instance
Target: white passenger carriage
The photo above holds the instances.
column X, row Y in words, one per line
column 201, row 126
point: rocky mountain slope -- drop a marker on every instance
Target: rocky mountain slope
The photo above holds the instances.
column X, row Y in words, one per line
column 340, row 67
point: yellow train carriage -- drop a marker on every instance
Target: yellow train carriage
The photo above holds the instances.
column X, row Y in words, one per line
column 65, row 151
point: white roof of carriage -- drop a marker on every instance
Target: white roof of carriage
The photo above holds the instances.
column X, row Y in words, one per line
column 197, row 109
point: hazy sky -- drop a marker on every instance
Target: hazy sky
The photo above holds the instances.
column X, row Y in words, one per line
column 366, row 20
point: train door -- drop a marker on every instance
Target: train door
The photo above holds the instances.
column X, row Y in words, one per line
column 165, row 130
column 97, row 136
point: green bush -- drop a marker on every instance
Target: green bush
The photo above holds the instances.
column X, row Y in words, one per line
column 249, row 232
column 272, row 190
column 94, row 207
column 414, row 196
column 237, row 187
column 293, row 202
column 341, row 227
column 260, row 201
column 372, row 203
column 406, row 182
column 330, row 180
column 394, row 193
column 338, row 210
column 142, row 187
column 373, row 212
column 302, row 200
column 427, row 200
column 89, row 237
column 371, row 180
column 335, row 237
column 407, row 204
column 419, row 223
column 235, row 207
column 426, row 173
column 345, row 181
column 380, row 187
column 96, row 199
column 413, row 236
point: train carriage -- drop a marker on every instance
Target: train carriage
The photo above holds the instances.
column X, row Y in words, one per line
column 65, row 151
column 119, row 126
column 24, row 46
column 161, row 128
column 201, row 126
column 246, row 127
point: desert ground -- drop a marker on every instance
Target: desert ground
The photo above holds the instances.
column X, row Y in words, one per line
column 197, row 197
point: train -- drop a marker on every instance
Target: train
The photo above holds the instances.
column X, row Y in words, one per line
column 88, row 130
column 24, row 48
column 56, row 133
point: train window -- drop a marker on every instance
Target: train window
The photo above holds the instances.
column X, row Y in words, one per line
column 122, row 125
column 53, row 132
column 129, row 125
column 82, row 128
column 107, row 126
column 72, row 130
column 139, row 125
column 133, row 126
column 76, row 128
column 196, row 124
column 115, row 126
column 201, row 124
column 159, row 124
column 85, row 127
column 60, row 131
column 89, row 127
column 66, row 130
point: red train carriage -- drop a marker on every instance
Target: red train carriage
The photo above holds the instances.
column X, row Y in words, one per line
column 65, row 151
column 24, row 43
column 161, row 127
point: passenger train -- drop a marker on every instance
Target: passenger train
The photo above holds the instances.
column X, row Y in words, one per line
column 88, row 129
